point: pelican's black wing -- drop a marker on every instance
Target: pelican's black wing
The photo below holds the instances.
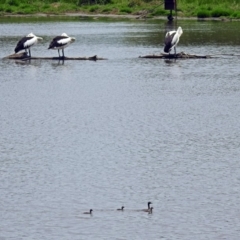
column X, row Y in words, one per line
column 21, row 44
column 58, row 42
column 168, row 41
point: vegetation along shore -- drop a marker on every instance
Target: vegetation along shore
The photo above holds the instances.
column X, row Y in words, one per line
column 229, row 9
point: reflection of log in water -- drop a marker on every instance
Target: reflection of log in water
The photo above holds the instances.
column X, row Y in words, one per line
column 24, row 56
column 178, row 55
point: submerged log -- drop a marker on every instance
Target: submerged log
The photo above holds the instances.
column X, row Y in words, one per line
column 24, row 56
column 181, row 55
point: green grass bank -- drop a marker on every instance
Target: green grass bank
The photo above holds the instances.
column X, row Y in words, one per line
column 149, row 8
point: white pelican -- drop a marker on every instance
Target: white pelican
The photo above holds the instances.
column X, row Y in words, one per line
column 172, row 39
column 60, row 42
column 27, row 42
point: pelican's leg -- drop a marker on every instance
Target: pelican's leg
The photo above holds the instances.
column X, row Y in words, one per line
column 58, row 53
column 63, row 53
column 26, row 52
column 29, row 52
column 175, row 51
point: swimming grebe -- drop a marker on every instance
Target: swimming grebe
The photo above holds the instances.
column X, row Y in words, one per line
column 121, row 209
column 90, row 212
column 148, row 209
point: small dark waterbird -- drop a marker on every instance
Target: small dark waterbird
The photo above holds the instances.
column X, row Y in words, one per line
column 26, row 43
column 171, row 40
column 121, row 209
column 149, row 207
column 90, row 212
column 61, row 42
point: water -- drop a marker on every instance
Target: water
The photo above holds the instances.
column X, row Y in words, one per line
column 123, row 131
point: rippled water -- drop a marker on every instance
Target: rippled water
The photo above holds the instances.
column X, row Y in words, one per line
column 124, row 131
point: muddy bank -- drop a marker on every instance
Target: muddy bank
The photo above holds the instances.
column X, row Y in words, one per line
column 115, row 16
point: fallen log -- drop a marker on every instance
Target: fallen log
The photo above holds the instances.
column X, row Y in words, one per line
column 181, row 55
column 24, row 56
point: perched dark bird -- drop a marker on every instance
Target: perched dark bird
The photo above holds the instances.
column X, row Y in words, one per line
column 61, row 42
column 121, row 209
column 172, row 39
column 26, row 43
column 90, row 212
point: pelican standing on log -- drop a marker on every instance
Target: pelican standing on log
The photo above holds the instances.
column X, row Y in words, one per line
column 26, row 43
column 172, row 39
column 61, row 42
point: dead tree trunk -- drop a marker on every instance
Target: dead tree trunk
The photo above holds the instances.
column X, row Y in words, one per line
column 24, row 56
column 181, row 55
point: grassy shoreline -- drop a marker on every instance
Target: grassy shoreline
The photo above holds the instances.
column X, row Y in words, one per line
column 229, row 9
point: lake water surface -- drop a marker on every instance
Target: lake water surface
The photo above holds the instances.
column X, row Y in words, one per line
column 123, row 131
